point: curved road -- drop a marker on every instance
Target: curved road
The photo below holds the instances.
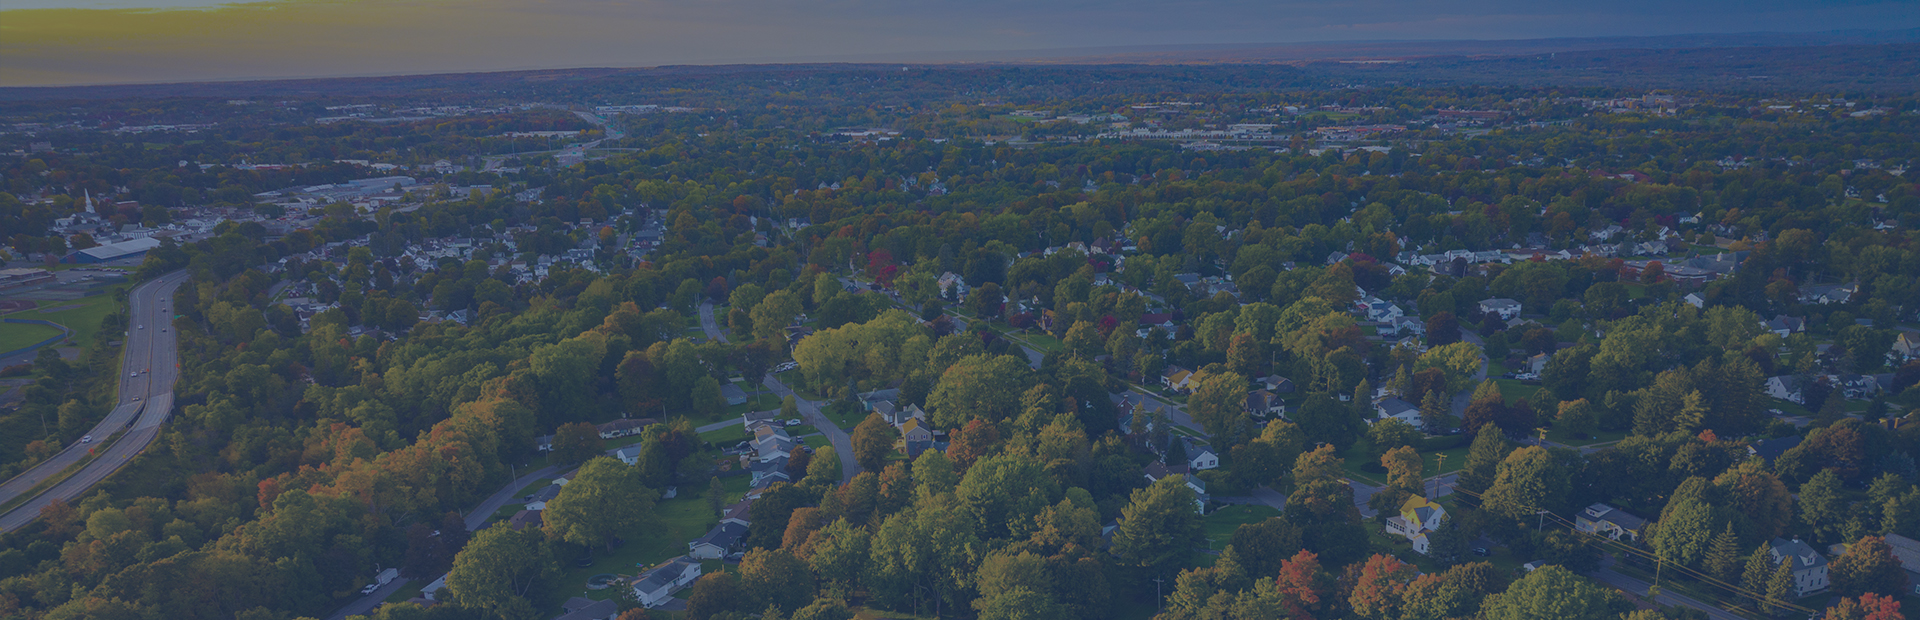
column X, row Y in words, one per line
column 809, row 409
column 149, row 367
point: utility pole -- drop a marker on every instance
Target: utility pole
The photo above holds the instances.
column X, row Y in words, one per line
column 1441, row 466
column 1159, row 604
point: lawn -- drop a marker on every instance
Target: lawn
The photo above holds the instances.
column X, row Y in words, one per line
column 84, row 319
column 730, row 435
column 678, row 521
column 19, row 336
column 1563, row 437
column 506, row 512
column 1220, row 525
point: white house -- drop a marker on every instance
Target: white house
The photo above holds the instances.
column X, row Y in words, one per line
column 629, row 454
column 1199, row 456
column 717, row 542
column 1809, row 567
column 1604, row 520
column 657, row 585
column 1785, row 387
column 1505, row 308
column 1396, row 409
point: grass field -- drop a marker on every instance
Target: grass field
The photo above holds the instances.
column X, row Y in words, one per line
column 83, row 318
column 22, row 335
column 678, row 521
column 1220, row 525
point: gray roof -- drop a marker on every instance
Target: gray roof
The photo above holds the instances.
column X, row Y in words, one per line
column 578, row 608
column 1395, row 406
column 722, row 535
column 1804, row 557
column 662, row 576
column 1616, row 516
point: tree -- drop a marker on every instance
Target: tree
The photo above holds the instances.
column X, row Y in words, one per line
column 1869, row 606
column 1753, row 579
column 1483, row 459
column 1160, row 525
column 503, row 572
column 1435, row 413
column 1780, row 588
column 1303, row 586
column 1388, row 434
column 1868, row 566
column 1686, row 525
column 1723, row 556
column 776, row 577
column 839, row 555
column 1576, row 418
column 824, row 609
column 1552, row 592
column 1083, row 341
column 716, row 497
column 1219, row 398
column 714, row 594
column 773, row 314
column 604, row 499
column 1442, row 329
column 978, row 387
column 1448, row 544
column 873, row 441
column 1378, row 592
column 1529, row 480
column 1822, row 506
column 576, row 442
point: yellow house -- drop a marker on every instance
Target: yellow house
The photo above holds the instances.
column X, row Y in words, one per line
column 1418, row 517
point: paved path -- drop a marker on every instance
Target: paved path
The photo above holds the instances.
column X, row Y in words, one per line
column 1608, row 576
column 150, row 361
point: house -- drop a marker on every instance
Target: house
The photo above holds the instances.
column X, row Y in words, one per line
column 769, row 471
column 1907, row 345
column 623, row 427
column 1782, row 325
column 657, row 585
column 1418, row 517
column 1176, row 378
column 1785, row 387
column 1199, row 456
column 1770, row 449
column 526, row 519
column 717, row 542
column 543, row 443
column 1405, row 325
column 1855, row 386
column 915, row 437
column 1264, row 404
column 1809, row 567
column 629, row 455
column 1156, row 470
column 1907, row 552
column 739, row 513
column 1695, row 300
column 578, row 608
column 771, row 442
column 1824, row 294
column 951, row 280
column 732, row 392
column 539, row 498
column 1538, row 363
column 1608, row 521
column 753, row 419
column 1505, row 308
column 433, row 590
column 899, row 417
column 1277, row 384
column 1394, row 408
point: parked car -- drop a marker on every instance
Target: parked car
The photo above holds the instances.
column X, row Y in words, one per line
column 793, row 422
column 1483, row 552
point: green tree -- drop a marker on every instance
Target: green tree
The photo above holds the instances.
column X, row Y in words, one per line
column 1219, row 398
column 503, row 573
column 715, row 594
column 1686, row 525
column 575, row 443
column 1822, row 505
column 1159, row 526
column 840, row 556
column 705, row 397
column 1083, row 340
column 603, row 500
column 981, row 387
column 1529, row 479
column 1780, row 588
column 1552, row 592
column 1753, row 579
column 1723, row 556
column 873, row 441
column 775, row 577
column 824, row 609
column 773, row 314
column 1483, row 459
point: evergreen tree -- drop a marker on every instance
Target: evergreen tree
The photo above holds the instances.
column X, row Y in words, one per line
column 1448, row 544
column 1780, row 585
column 1754, row 578
column 1435, row 413
column 1483, row 459
column 1723, row 557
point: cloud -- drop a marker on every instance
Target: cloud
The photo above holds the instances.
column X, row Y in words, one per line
column 313, row 38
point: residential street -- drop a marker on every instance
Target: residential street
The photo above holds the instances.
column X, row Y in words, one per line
column 809, row 410
column 1608, row 576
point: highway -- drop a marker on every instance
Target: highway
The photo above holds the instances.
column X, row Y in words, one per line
column 148, row 370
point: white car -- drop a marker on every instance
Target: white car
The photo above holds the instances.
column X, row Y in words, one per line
column 370, row 588
column 132, row 374
column 143, row 327
column 86, row 439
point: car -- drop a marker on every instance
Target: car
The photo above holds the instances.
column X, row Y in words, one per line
column 143, row 327
column 133, row 374
column 137, row 398
column 86, row 439
column 369, row 589
column 793, row 422
column 1483, row 552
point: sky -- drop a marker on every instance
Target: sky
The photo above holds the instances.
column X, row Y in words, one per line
column 60, row 42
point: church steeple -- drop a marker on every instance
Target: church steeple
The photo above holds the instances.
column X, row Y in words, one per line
column 89, row 194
